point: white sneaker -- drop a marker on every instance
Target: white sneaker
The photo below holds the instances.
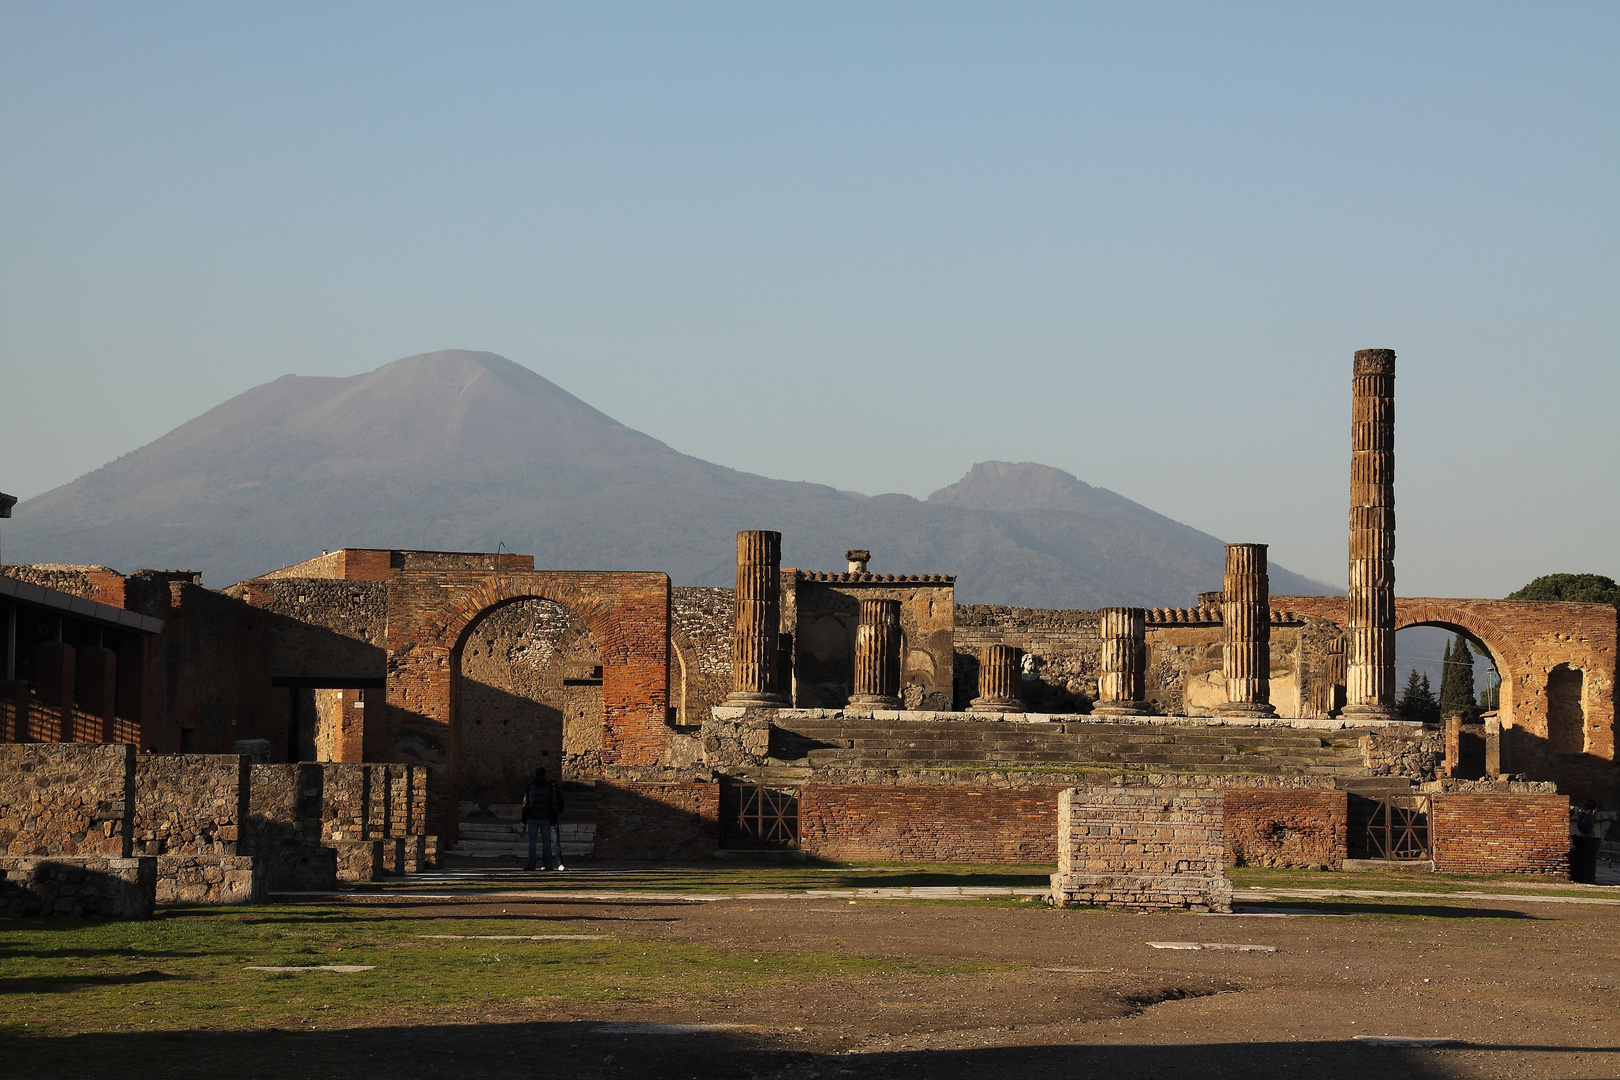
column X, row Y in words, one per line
column 560, row 866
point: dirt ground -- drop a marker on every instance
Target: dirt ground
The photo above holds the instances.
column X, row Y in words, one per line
column 1527, row 989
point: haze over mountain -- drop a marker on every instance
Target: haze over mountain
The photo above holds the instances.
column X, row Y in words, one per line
column 465, row 450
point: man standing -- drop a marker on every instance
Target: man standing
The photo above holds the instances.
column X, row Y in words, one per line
column 542, row 810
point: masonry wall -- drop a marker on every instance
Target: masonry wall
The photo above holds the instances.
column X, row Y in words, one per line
column 824, row 610
column 1500, row 834
column 1534, row 646
column 657, row 821
column 917, row 824
column 1284, row 828
column 66, row 800
column 1064, row 643
column 701, row 624
column 190, row 804
column 1141, row 848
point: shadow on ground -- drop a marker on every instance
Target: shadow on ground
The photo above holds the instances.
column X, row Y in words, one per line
column 581, row 1050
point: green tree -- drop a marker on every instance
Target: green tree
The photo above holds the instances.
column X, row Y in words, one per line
column 1575, row 588
column 1417, row 701
column 1457, row 681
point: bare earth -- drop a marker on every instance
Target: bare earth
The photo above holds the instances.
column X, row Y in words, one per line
column 1527, row 988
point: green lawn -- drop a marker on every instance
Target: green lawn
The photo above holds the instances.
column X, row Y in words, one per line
column 187, row 969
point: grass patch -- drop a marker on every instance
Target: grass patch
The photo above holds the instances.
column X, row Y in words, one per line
column 186, row 970
column 1414, row 880
column 740, row 876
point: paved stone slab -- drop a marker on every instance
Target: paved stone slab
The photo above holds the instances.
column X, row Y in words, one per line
column 514, row 937
column 638, row 1027
column 1401, row 1040
column 341, row 969
column 1196, row 945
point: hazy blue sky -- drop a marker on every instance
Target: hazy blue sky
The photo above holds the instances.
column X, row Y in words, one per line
column 861, row 244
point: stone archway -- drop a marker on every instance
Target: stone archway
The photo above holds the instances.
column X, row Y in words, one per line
column 528, row 686
column 430, row 613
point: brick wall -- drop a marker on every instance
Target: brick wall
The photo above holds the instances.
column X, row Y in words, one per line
column 430, row 611
column 1141, row 848
column 190, row 804
column 822, row 611
column 66, row 799
column 1528, row 641
column 1273, row 827
column 92, row 886
column 1500, row 834
column 929, row 824
column 701, row 623
column 657, row 821
column 1065, row 644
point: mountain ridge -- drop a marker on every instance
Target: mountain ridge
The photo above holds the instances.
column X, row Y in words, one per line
column 464, row 450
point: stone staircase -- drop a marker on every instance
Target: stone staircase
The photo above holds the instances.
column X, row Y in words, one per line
column 491, row 832
column 809, row 747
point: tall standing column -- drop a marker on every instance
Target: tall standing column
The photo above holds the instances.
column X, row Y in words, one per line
column 1001, row 669
column 1122, row 683
column 759, row 605
column 1246, row 616
column 877, row 656
column 1370, row 673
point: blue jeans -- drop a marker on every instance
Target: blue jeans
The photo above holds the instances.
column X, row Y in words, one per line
column 544, row 831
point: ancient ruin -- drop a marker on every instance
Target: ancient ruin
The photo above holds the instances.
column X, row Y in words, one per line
column 376, row 711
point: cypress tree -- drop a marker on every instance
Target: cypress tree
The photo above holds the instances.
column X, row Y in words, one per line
column 1457, row 683
column 1417, row 701
column 1431, row 707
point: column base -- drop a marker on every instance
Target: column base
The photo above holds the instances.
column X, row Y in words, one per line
column 1245, row 709
column 743, row 699
column 1122, row 708
column 873, row 701
column 1370, row 712
column 982, row 704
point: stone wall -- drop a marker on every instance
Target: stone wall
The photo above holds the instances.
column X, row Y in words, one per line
column 1141, row 848
column 1404, row 751
column 66, row 799
column 1500, row 834
column 701, row 623
column 1270, row 827
column 1064, row 644
column 210, row 879
column 822, row 611
column 88, row 886
column 531, row 695
column 921, row 824
column 657, row 821
column 190, row 804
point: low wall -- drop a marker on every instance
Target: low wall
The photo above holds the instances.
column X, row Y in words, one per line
column 1278, row 827
column 1141, row 848
column 210, row 879
column 1500, row 834
column 932, row 824
column 66, row 799
column 93, row 886
column 657, row 821
column 190, row 804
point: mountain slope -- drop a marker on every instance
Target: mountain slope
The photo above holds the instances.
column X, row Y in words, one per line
column 465, row 450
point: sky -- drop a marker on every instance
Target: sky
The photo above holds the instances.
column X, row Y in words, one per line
column 861, row 244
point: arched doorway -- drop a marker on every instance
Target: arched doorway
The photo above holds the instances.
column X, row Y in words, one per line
column 527, row 693
column 1423, row 648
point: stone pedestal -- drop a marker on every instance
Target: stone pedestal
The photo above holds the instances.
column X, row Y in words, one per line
column 1122, row 684
column 877, row 656
column 1000, row 672
column 1370, row 674
column 1246, row 617
column 759, row 604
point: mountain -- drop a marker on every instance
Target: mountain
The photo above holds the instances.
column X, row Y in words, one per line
column 466, row 450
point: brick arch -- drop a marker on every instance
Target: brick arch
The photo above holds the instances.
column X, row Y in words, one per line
column 430, row 615
column 1528, row 640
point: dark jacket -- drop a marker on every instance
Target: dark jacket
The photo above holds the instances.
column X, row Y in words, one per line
column 542, row 802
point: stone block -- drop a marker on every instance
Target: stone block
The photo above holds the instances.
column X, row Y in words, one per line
column 210, row 879
column 86, row 886
column 358, row 860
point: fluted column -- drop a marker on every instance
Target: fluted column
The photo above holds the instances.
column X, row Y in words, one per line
column 759, row 604
column 1246, row 618
column 1122, row 683
column 1370, row 674
column 1000, row 671
column 877, row 656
